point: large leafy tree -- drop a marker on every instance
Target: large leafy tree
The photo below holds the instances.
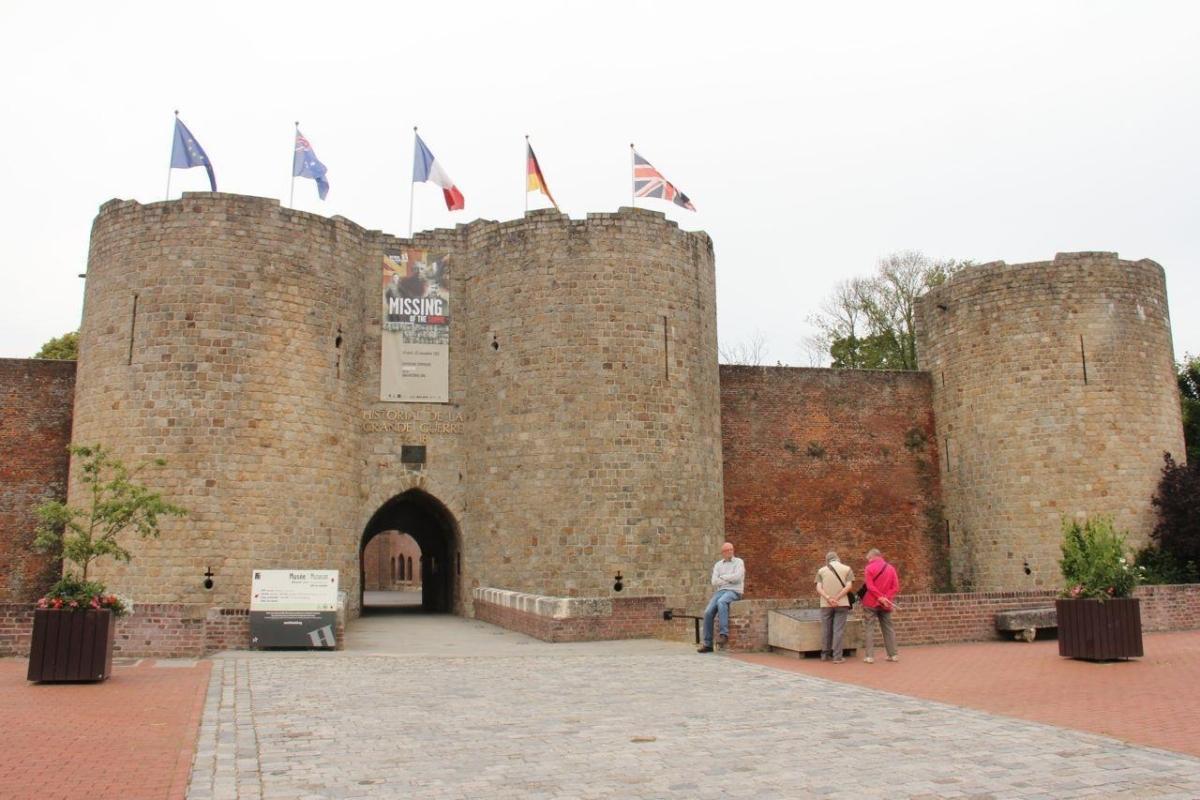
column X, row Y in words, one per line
column 61, row 348
column 870, row 323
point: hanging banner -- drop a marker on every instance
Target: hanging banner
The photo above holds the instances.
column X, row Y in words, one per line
column 416, row 328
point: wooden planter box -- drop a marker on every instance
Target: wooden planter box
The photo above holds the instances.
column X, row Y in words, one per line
column 1099, row 630
column 71, row 645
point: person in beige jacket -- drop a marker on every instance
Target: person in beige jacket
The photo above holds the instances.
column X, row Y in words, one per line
column 833, row 585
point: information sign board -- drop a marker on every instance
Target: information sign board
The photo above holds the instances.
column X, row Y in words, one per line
column 293, row 608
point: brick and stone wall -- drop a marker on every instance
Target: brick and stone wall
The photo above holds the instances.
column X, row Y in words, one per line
column 1054, row 394
column 571, row 619
column 35, row 428
column 161, row 630
column 967, row 617
column 821, row 459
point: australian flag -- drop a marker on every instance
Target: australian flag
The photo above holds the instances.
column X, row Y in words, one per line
column 186, row 152
column 305, row 164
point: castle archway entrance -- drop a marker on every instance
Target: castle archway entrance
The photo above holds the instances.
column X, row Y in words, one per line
column 434, row 570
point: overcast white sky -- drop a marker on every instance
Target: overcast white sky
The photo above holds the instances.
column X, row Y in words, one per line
column 812, row 137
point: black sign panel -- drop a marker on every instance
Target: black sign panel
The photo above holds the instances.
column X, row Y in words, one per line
column 293, row 629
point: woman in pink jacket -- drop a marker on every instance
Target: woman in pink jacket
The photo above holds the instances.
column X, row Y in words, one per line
column 882, row 584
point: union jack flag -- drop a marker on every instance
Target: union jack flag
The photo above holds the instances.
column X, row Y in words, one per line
column 649, row 182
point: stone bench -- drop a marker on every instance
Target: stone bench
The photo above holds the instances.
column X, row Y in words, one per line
column 1025, row 623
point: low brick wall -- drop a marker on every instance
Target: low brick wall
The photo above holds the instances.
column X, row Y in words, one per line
column 571, row 619
column 166, row 630
column 154, row 630
column 16, row 628
column 967, row 617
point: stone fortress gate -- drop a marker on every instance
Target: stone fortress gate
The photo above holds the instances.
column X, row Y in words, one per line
column 556, row 417
column 241, row 341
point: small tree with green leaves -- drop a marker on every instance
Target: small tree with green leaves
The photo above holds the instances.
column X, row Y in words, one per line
column 1095, row 561
column 114, row 504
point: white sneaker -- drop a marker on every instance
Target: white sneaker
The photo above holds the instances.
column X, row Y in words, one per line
column 893, row 658
column 869, row 660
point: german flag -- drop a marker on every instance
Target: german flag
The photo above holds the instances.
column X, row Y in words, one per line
column 534, row 181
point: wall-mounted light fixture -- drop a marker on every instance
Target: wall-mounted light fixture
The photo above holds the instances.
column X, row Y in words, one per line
column 618, row 582
column 208, row 578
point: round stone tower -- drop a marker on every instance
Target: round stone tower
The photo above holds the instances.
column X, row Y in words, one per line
column 241, row 342
column 1055, row 396
column 214, row 335
column 594, row 442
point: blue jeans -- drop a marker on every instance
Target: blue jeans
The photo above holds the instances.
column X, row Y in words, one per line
column 719, row 607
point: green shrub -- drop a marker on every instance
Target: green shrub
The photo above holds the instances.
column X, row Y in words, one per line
column 1160, row 566
column 1178, row 504
column 1095, row 562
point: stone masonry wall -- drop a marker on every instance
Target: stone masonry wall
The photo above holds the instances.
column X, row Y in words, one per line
column 596, row 448
column 209, row 339
column 1054, row 394
column 35, row 428
column 240, row 341
column 818, row 460
column 572, row 619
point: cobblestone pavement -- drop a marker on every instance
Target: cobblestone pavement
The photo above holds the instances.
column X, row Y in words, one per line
column 631, row 726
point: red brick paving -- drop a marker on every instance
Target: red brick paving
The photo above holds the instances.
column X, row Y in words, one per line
column 1149, row 701
column 128, row 738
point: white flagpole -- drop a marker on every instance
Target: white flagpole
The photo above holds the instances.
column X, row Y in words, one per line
column 632, row 176
column 292, row 194
column 168, row 197
column 525, row 180
column 411, row 186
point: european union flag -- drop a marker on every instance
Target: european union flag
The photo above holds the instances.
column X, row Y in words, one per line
column 305, row 164
column 186, row 152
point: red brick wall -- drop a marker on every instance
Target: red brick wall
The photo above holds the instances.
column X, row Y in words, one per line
column 167, row 630
column 228, row 629
column 377, row 561
column 821, row 459
column 16, row 628
column 631, row 618
column 162, row 630
column 36, row 400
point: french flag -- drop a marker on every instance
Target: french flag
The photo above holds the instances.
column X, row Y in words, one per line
column 427, row 168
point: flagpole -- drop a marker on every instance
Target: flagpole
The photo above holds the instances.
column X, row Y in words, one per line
column 525, row 182
column 632, row 176
column 292, row 193
column 168, row 197
column 411, row 186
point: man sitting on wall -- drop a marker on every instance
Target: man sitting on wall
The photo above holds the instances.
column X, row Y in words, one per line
column 729, row 579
